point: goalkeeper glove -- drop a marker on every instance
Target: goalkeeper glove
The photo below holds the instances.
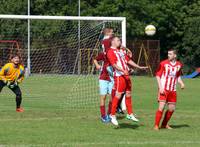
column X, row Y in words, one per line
column 13, row 85
column 6, row 82
column 10, row 84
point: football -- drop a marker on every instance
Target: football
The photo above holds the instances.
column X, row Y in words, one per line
column 150, row 30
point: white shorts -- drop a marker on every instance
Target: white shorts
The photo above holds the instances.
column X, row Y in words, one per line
column 105, row 87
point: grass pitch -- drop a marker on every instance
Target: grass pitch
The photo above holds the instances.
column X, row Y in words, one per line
column 64, row 111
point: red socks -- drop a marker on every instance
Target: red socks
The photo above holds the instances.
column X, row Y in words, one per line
column 128, row 102
column 103, row 111
column 167, row 117
column 158, row 117
column 114, row 105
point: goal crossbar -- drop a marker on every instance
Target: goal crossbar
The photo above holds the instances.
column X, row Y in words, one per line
column 62, row 17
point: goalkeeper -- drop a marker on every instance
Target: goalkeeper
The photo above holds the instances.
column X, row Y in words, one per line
column 11, row 75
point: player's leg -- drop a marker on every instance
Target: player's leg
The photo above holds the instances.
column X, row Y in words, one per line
column 123, row 103
column 102, row 107
column 159, row 113
column 168, row 115
column 2, row 84
column 162, row 98
column 18, row 94
column 120, row 87
column 128, row 101
column 170, row 110
column 110, row 101
column 119, row 108
column 114, row 108
column 111, row 92
column 103, row 84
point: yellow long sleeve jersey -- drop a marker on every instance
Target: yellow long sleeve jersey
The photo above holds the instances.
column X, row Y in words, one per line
column 10, row 72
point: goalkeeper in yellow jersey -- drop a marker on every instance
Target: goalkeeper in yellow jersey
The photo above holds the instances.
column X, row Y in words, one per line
column 11, row 75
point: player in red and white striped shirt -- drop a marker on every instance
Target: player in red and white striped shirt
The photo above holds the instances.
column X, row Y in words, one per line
column 122, row 82
column 168, row 74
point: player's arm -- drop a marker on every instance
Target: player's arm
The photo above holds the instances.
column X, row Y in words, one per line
column 133, row 64
column 129, row 53
column 3, row 72
column 115, row 66
column 21, row 77
column 180, row 81
column 158, row 78
column 99, row 57
column 161, row 89
column 20, row 80
column 96, row 64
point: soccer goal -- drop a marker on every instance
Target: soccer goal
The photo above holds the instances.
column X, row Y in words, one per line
column 57, row 53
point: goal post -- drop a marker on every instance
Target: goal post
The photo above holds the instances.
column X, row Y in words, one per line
column 52, row 52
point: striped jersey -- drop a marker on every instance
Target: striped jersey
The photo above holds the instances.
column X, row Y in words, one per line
column 118, row 57
column 169, row 73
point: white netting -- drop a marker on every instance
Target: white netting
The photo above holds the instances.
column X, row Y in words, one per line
column 61, row 60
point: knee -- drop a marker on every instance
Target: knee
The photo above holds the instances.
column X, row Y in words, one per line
column 103, row 97
column 118, row 95
column 171, row 107
column 161, row 106
column 18, row 95
column 128, row 94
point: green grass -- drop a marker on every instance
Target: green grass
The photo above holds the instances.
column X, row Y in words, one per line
column 58, row 115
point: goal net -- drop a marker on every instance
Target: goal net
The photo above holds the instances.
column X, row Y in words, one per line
column 57, row 53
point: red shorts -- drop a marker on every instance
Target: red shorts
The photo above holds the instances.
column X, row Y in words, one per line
column 168, row 96
column 122, row 83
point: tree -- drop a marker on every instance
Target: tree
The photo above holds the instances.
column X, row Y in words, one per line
column 190, row 44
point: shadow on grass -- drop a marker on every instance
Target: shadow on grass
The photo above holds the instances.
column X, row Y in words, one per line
column 120, row 117
column 128, row 126
column 180, row 126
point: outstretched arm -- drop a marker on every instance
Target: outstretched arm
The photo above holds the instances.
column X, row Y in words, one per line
column 133, row 64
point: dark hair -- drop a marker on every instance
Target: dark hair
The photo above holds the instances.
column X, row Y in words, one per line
column 14, row 55
column 174, row 50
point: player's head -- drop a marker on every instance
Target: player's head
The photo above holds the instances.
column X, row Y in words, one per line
column 108, row 32
column 105, row 31
column 116, row 42
column 15, row 58
column 172, row 54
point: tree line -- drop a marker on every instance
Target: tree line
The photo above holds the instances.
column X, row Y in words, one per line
column 177, row 21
